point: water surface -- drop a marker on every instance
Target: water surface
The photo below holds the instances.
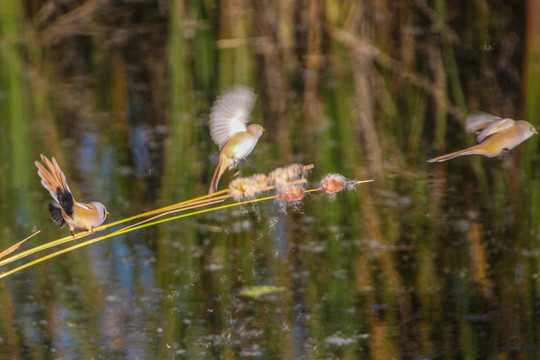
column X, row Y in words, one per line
column 427, row 262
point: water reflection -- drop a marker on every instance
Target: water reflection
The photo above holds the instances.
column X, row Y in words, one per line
column 435, row 261
column 176, row 292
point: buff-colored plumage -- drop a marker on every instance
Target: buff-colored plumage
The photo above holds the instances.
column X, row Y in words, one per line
column 78, row 216
column 228, row 119
column 494, row 135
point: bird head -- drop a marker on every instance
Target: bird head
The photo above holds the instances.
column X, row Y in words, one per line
column 255, row 130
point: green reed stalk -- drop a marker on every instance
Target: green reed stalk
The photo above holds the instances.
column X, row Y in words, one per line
column 15, row 111
column 183, row 137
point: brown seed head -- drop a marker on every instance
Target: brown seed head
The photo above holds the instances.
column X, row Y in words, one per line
column 293, row 193
column 247, row 188
column 333, row 183
column 281, row 176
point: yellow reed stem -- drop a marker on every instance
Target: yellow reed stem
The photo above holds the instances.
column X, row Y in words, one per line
column 182, row 206
column 157, row 211
column 119, row 232
column 356, row 182
column 185, row 205
column 42, row 247
column 168, row 213
column 12, row 248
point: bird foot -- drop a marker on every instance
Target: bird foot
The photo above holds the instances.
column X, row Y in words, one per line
column 504, row 153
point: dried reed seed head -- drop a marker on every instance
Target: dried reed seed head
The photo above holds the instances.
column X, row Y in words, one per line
column 247, row 187
column 293, row 193
column 281, row 176
column 259, row 181
column 333, row 183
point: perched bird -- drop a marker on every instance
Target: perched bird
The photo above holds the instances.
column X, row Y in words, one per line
column 494, row 135
column 228, row 119
column 78, row 216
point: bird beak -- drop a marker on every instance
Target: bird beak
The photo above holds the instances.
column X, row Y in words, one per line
column 106, row 212
column 535, row 132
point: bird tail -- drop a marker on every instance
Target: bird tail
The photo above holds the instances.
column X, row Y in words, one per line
column 54, row 180
column 220, row 169
column 473, row 150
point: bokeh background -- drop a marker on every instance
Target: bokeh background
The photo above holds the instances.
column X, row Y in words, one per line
column 427, row 262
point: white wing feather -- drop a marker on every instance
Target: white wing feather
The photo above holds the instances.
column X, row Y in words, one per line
column 485, row 125
column 477, row 120
column 495, row 127
column 230, row 114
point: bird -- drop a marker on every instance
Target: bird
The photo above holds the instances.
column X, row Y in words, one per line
column 78, row 216
column 228, row 118
column 495, row 136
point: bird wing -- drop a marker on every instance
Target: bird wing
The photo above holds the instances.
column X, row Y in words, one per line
column 484, row 125
column 230, row 114
column 495, row 127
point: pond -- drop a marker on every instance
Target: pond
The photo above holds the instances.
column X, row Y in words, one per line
column 428, row 261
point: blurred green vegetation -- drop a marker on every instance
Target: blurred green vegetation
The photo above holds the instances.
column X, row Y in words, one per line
column 429, row 261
